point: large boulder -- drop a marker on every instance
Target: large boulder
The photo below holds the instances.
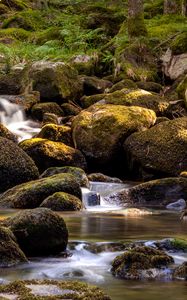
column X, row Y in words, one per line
column 130, row 97
column 39, row 231
column 5, row 133
column 141, row 263
column 15, row 165
column 39, row 110
column 78, row 173
column 93, row 85
column 157, row 193
column 55, row 81
column 10, row 253
column 61, row 201
column 99, row 131
column 159, row 151
column 31, row 194
column 48, row 154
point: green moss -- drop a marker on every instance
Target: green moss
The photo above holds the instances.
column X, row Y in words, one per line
column 56, row 133
column 179, row 44
column 17, row 33
column 179, row 244
column 181, row 90
column 136, row 26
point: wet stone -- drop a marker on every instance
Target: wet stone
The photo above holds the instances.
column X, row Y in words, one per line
column 48, row 290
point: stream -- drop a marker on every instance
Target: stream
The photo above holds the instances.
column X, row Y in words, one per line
column 101, row 227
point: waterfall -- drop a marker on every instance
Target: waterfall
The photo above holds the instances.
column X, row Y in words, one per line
column 12, row 116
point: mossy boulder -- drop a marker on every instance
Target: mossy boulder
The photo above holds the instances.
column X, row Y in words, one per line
column 39, row 231
column 62, row 202
column 159, row 151
column 179, row 44
column 99, row 177
column 100, row 131
column 78, row 173
column 149, row 86
column 15, row 165
column 56, row 133
column 10, row 252
column 46, row 154
column 181, row 272
column 55, row 81
column 38, row 110
column 130, row 97
column 125, row 83
column 155, row 193
column 5, row 133
column 93, row 85
column 51, row 289
column 32, row 193
column 141, row 263
column 70, row 109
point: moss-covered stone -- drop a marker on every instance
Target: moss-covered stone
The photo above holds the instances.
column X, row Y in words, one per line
column 46, row 154
column 16, row 33
column 62, row 202
column 78, row 173
column 179, row 245
column 179, row 44
column 15, row 165
column 32, row 193
column 159, row 151
column 5, row 133
column 99, row 177
column 139, row 263
column 93, row 85
column 155, row 193
column 181, row 90
column 130, row 97
column 70, row 109
column 26, row 290
column 181, row 272
column 38, row 110
column 10, row 253
column 56, row 133
column 55, row 81
column 39, row 231
column 125, row 83
column 149, row 86
column 99, row 131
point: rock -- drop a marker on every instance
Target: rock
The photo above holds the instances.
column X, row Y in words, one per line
column 62, row 202
column 161, row 119
column 130, row 97
column 179, row 44
column 13, row 82
column 32, row 193
column 55, row 81
column 56, row 133
column 99, row 177
column 94, row 85
column 100, row 131
column 10, row 253
column 41, row 289
column 70, row 109
column 174, row 65
column 39, row 231
column 26, row 100
column 5, row 133
column 149, row 86
column 141, row 263
column 159, row 151
column 152, row 193
column 125, row 83
column 181, row 272
column 48, row 154
column 38, row 110
column 92, row 199
column 78, row 173
column 85, row 64
column 49, row 118
column 178, row 205
column 15, row 165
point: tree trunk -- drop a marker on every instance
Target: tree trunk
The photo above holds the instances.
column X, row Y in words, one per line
column 136, row 25
column 172, row 6
column 184, row 7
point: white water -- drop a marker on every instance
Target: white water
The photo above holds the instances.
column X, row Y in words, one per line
column 12, row 116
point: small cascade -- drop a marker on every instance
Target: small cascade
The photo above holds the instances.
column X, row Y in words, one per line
column 12, row 116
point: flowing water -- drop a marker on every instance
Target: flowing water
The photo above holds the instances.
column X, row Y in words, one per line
column 13, row 117
column 95, row 238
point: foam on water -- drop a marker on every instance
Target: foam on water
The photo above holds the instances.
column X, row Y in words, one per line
column 12, row 116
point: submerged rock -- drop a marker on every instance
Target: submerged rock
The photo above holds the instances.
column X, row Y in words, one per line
column 62, row 202
column 15, row 165
column 10, row 253
column 39, row 231
column 140, row 263
column 32, row 193
column 100, row 131
column 178, row 205
column 45, row 289
column 46, row 154
column 152, row 193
